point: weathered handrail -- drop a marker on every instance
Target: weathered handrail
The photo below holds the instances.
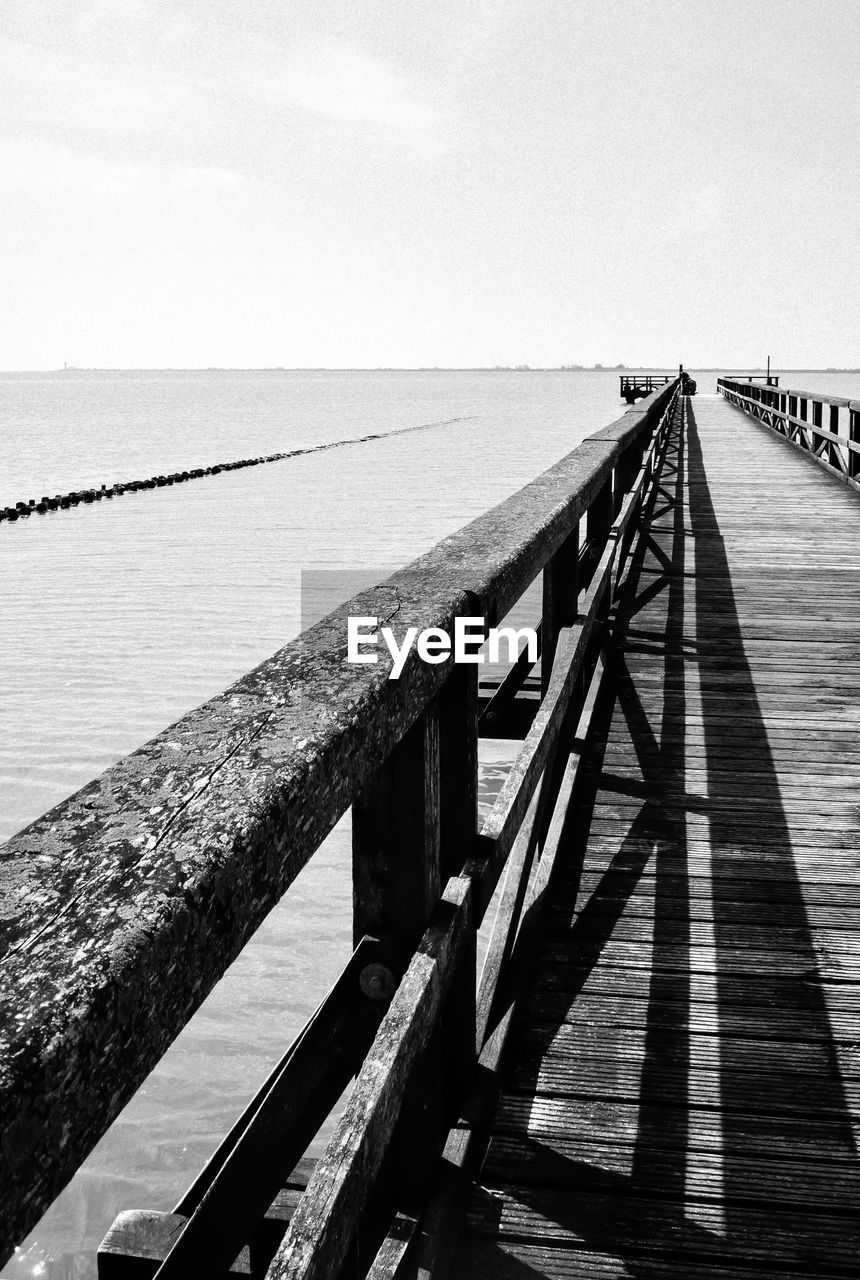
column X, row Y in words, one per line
column 124, row 905
column 800, row 416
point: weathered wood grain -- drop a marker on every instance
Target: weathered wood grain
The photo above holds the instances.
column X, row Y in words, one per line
column 510, row 1259
column 325, row 1222
column 692, row 1233
column 139, row 1241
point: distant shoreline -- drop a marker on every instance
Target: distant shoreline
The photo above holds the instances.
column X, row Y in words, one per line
column 564, row 368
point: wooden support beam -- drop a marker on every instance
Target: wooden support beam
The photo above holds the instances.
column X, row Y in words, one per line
column 140, row 1239
column 396, row 835
column 458, row 751
column 467, row 1140
column 396, row 839
column 512, row 683
column 560, row 597
column 325, row 1222
column 597, row 525
column 220, row 1212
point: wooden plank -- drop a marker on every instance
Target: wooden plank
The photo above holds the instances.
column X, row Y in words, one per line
column 498, row 706
column 451, row 1057
column 509, row 1259
column 796, row 1019
column 604, row 880
column 677, row 957
column 140, row 1240
column 692, row 1232
column 749, row 857
column 467, row 1140
column 241, row 1181
column 560, row 597
column 772, row 1049
column 613, row 1074
column 598, row 523
column 748, row 990
column 577, row 1165
column 396, row 839
column 742, row 837
column 513, row 890
column 324, row 1224
column 701, row 898
column 760, row 1133
column 508, row 813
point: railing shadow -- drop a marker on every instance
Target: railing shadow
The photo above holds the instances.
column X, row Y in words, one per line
column 743, row 1151
column 782, row 1100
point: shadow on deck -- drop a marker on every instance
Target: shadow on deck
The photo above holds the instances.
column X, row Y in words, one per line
column 676, row 1096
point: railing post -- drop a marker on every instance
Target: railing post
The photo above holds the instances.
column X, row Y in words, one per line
column 396, row 872
column 397, row 878
column 817, row 445
column 625, row 473
column 598, row 522
column 854, row 437
column 833, row 452
column 560, row 599
column 458, row 755
column 413, row 828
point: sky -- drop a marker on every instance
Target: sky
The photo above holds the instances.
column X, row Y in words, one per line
column 324, row 183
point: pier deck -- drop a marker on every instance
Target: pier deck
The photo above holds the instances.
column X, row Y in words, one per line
column 683, row 1094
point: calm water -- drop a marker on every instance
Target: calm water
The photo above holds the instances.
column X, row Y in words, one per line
column 119, row 617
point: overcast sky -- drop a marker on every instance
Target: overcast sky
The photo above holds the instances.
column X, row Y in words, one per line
column 317, row 182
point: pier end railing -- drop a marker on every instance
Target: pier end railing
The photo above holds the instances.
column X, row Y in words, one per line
column 826, row 428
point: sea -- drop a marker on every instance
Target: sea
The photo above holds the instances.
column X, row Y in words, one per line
column 118, row 617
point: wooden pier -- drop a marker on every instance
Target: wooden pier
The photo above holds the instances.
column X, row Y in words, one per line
column 683, row 1096
column 656, row 1070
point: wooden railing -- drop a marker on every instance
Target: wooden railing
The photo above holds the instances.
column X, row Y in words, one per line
column 126, row 903
column 636, row 385
column 826, row 427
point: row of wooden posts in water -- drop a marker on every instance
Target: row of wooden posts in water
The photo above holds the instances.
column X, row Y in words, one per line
column 63, row 501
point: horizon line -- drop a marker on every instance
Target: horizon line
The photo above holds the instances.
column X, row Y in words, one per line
column 497, row 368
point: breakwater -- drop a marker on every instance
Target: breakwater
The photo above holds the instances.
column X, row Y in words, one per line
column 76, row 497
